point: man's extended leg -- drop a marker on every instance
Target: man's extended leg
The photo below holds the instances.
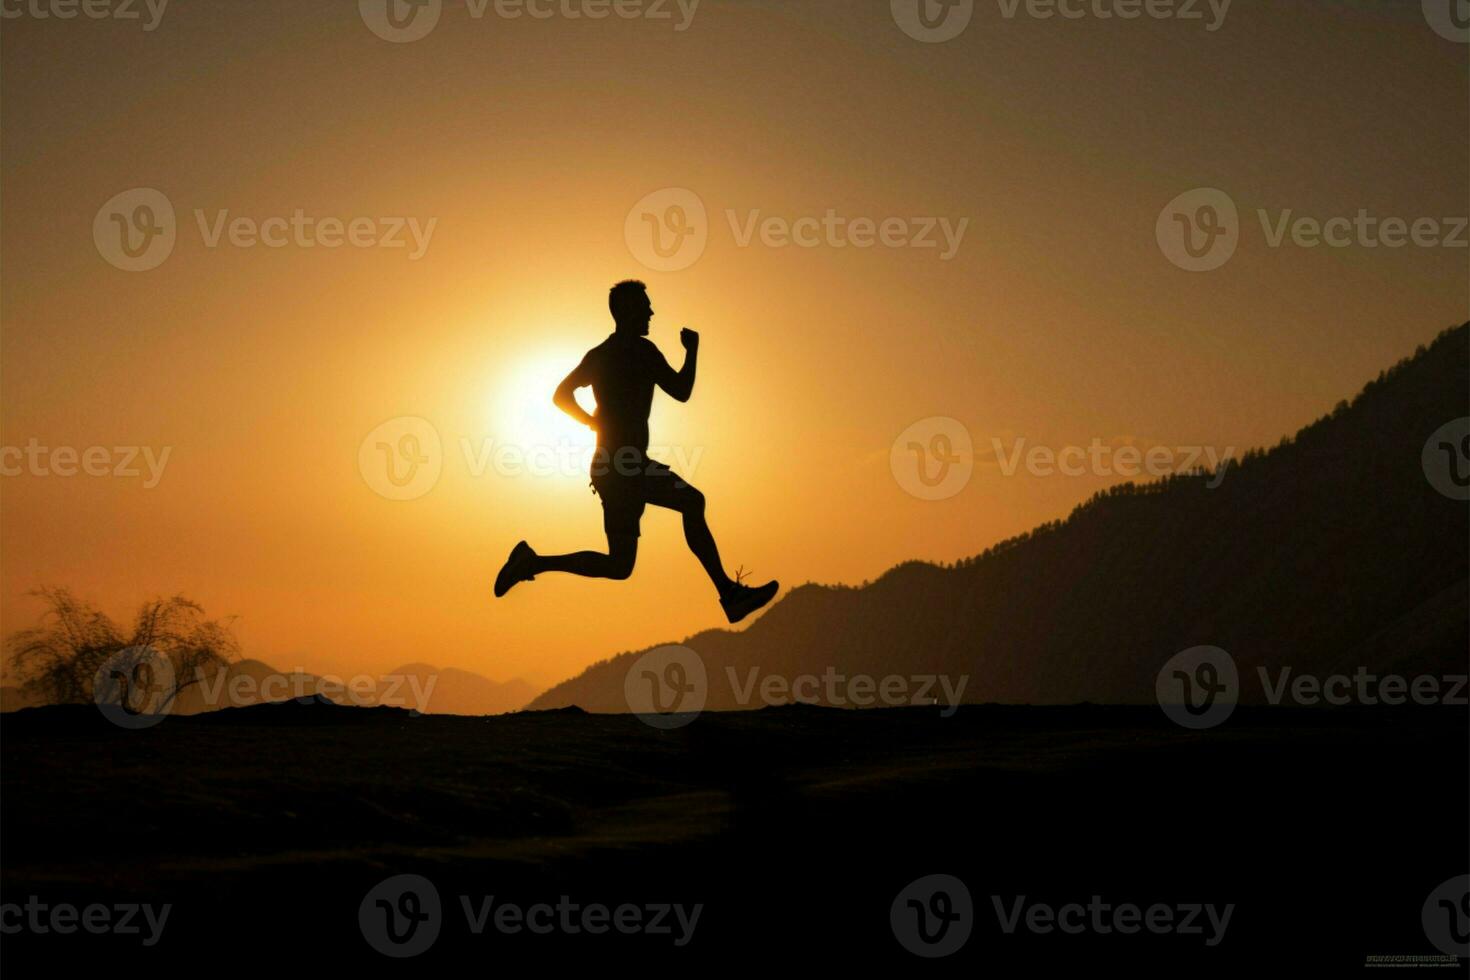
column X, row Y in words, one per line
column 622, row 554
column 668, row 490
column 524, row 564
column 664, row 488
column 701, row 541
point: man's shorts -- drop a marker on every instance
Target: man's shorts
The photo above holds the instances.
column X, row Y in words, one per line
column 625, row 493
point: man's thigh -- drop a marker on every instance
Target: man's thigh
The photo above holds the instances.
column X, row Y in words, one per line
column 622, row 507
column 662, row 487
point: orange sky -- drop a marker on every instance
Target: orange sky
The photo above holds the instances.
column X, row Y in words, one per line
column 1059, row 320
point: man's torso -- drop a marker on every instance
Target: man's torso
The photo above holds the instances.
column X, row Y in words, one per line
column 623, row 372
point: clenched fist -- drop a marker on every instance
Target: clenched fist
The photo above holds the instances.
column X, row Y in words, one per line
column 689, row 338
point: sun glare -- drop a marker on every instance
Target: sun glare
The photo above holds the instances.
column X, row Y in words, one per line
column 522, row 413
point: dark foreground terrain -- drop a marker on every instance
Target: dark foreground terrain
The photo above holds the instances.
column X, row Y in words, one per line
column 795, row 828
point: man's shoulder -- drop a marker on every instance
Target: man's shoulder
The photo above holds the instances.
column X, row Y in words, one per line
column 626, row 348
column 600, row 352
column 648, row 352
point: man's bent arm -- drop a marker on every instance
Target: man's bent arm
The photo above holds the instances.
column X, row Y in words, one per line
column 566, row 398
column 680, row 385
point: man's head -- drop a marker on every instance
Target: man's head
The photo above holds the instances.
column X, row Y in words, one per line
column 631, row 308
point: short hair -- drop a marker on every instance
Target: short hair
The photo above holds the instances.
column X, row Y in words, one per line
column 620, row 298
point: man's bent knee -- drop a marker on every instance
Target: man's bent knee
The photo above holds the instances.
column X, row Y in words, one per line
column 623, row 555
column 691, row 501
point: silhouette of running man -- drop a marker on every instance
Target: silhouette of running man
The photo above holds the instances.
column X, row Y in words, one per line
column 622, row 372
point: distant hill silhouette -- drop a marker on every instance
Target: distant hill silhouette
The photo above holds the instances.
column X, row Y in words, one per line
column 460, row 692
column 1328, row 552
column 422, row 687
column 417, row 686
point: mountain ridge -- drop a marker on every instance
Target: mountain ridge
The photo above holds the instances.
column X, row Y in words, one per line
column 1326, row 552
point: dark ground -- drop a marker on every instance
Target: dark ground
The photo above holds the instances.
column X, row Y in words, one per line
column 795, row 827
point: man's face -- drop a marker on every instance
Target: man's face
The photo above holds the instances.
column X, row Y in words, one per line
column 642, row 314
